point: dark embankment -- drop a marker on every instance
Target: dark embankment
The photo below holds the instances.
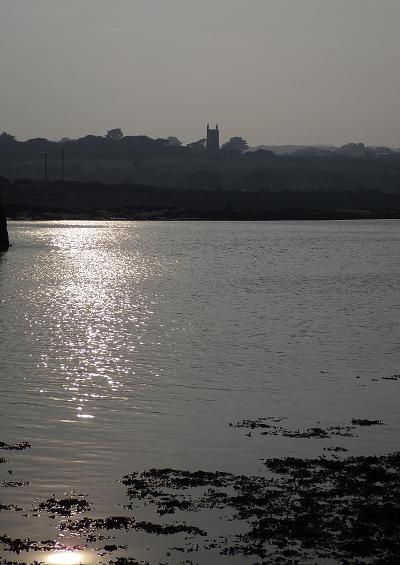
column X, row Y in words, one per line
column 36, row 200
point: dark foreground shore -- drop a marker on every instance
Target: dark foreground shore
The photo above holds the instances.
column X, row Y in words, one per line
column 182, row 214
column 33, row 200
column 335, row 507
column 338, row 507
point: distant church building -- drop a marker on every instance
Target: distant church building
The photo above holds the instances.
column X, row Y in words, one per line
column 212, row 143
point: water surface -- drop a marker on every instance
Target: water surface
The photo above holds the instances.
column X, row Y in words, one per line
column 129, row 345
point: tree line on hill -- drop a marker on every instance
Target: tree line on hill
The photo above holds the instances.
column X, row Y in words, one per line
column 166, row 163
column 113, row 145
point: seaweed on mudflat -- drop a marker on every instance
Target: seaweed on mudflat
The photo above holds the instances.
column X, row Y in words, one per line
column 391, row 378
column 15, row 446
column 345, row 509
column 65, row 506
column 316, row 432
column 17, row 545
column 125, row 522
column 15, row 484
column 366, row 422
column 10, row 507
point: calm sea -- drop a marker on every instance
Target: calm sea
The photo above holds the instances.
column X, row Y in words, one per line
column 127, row 345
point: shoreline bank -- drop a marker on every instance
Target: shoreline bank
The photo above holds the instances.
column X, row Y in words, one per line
column 182, row 214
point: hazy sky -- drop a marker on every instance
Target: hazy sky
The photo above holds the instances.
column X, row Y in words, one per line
column 273, row 71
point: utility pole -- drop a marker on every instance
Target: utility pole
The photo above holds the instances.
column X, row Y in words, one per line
column 62, row 165
column 45, row 155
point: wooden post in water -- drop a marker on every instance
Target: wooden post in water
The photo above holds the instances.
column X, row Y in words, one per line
column 4, row 241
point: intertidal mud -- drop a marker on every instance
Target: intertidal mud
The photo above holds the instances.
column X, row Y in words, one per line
column 308, row 509
column 295, row 511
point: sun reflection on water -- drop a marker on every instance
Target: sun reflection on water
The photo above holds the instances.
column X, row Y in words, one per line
column 97, row 293
column 65, row 558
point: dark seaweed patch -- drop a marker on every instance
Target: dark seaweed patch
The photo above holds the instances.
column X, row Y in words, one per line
column 391, row 378
column 365, row 422
column 112, row 547
column 65, row 506
column 18, row 545
column 4, row 562
column 259, row 423
column 126, row 561
column 314, row 432
column 340, row 509
column 15, row 447
column 320, row 433
column 14, row 484
column 155, row 486
column 126, row 522
column 10, row 507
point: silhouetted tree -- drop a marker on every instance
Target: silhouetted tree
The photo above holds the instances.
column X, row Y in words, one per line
column 236, row 144
column 114, row 134
column 6, row 137
column 353, row 150
column 172, row 140
column 198, row 146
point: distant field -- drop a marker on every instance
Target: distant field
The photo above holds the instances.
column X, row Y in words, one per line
column 246, row 173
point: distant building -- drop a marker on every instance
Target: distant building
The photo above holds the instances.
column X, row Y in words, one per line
column 212, row 141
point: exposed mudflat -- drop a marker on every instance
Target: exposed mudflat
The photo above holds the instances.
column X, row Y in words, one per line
column 299, row 510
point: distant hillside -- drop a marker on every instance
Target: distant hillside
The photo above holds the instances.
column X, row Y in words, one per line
column 289, row 149
column 349, row 149
column 140, row 160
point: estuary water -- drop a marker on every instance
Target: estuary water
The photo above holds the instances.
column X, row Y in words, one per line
column 126, row 346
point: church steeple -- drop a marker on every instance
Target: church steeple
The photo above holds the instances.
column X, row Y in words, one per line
column 212, row 144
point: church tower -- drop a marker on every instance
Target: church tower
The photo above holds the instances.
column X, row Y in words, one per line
column 212, row 144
